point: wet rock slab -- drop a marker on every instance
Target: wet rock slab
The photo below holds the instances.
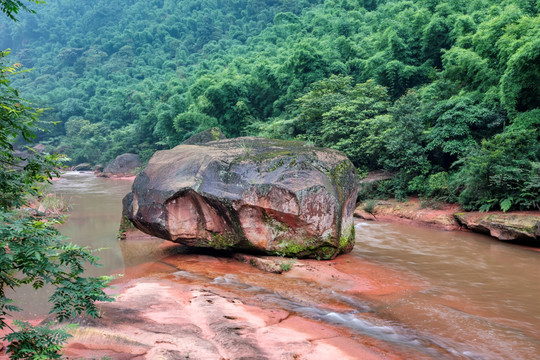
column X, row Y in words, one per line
column 260, row 195
column 196, row 306
column 507, row 227
column 158, row 319
column 187, row 315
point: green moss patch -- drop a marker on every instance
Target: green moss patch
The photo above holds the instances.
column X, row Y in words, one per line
column 347, row 240
column 222, row 241
column 307, row 248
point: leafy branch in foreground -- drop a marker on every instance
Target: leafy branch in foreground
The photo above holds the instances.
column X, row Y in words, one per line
column 32, row 251
column 12, row 7
column 36, row 342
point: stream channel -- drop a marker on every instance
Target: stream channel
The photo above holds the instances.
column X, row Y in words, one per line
column 424, row 293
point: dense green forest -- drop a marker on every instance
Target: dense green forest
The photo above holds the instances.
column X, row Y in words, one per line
column 445, row 94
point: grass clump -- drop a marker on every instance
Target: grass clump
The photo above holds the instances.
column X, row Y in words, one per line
column 369, row 206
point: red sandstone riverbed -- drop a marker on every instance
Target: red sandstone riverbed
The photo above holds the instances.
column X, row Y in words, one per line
column 404, row 292
column 183, row 307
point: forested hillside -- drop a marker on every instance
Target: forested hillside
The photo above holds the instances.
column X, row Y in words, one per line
column 445, row 94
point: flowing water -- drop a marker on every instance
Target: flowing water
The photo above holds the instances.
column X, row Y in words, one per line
column 425, row 293
column 96, row 210
column 481, row 295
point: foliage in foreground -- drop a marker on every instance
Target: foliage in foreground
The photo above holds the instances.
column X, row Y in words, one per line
column 36, row 342
column 32, row 251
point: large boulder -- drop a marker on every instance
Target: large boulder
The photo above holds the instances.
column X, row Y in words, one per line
column 123, row 165
column 270, row 196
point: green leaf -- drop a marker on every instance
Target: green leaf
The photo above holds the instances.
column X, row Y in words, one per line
column 485, row 207
column 506, row 204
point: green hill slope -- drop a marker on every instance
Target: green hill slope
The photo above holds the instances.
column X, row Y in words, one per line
column 444, row 93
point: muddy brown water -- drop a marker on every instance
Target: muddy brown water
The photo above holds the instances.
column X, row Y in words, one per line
column 426, row 293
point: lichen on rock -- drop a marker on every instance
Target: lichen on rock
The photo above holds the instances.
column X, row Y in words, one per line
column 268, row 196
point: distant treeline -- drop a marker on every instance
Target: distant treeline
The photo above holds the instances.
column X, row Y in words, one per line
column 445, row 94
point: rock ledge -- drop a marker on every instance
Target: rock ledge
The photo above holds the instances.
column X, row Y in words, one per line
column 507, row 227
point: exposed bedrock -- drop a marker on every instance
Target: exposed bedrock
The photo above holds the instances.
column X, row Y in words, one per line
column 507, row 227
column 269, row 196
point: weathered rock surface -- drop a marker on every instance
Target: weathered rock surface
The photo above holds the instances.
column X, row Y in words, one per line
column 508, row 227
column 166, row 319
column 213, row 134
column 186, row 304
column 82, row 167
column 270, row 196
column 123, row 165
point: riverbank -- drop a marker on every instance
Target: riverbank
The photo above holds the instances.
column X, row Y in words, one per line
column 521, row 226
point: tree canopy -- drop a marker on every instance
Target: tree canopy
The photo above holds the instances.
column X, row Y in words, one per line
column 355, row 75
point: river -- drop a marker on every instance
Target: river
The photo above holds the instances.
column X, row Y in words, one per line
column 439, row 294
